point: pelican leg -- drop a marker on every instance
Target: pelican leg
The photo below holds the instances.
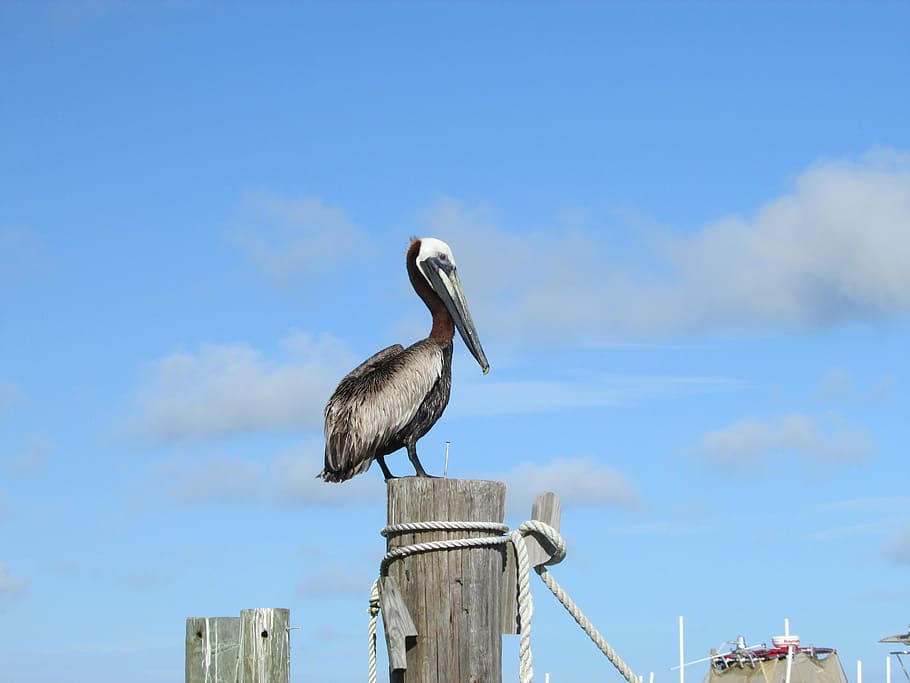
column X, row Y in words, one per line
column 412, row 456
column 385, row 469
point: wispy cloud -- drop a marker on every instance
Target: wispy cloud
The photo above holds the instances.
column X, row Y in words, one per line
column 335, row 581
column 290, row 237
column 214, row 479
column 831, row 250
column 30, row 458
column 10, row 394
column 285, row 478
column 580, row 480
column 542, row 396
column 21, row 252
column 749, row 442
column 896, row 503
column 295, row 479
column 11, row 587
column 839, row 384
column 221, row 390
column 898, row 548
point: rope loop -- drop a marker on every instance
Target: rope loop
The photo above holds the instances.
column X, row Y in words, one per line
column 552, row 536
column 411, row 527
column 552, row 540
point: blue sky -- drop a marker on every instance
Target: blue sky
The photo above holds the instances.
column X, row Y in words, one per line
column 683, row 230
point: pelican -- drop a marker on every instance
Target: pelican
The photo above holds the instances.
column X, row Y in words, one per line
column 394, row 397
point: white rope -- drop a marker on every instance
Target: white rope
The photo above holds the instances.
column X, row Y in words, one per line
column 374, row 615
column 586, row 625
column 525, row 600
column 525, row 607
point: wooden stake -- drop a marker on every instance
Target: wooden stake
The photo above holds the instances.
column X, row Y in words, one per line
column 454, row 596
column 264, row 646
column 546, row 508
column 254, row 648
column 212, row 649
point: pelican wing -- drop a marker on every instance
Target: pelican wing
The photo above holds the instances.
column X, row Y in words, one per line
column 373, row 361
column 374, row 402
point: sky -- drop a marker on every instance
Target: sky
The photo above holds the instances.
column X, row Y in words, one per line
column 683, row 230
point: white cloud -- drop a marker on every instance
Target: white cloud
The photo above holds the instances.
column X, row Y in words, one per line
column 232, row 389
column 746, row 444
column 291, row 237
column 11, row 587
column 576, row 480
column 485, row 397
column 834, row 249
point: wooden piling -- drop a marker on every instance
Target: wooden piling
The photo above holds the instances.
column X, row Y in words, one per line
column 251, row 648
column 264, row 646
column 212, row 649
column 454, row 596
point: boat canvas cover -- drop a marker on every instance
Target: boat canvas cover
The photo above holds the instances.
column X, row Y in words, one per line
column 805, row 669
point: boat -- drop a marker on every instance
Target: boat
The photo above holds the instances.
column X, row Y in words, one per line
column 903, row 639
column 786, row 660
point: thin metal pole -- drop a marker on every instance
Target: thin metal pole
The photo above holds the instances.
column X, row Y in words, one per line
column 682, row 656
column 789, row 648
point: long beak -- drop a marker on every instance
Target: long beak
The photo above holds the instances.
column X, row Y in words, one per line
column 444, row 280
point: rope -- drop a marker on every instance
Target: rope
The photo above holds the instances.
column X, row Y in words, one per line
column 374, row 615
column 525, row 599
column 586, row 625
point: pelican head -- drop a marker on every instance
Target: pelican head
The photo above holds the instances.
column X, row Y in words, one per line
column 437, row 265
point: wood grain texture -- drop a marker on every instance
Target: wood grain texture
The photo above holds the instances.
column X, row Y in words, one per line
column 546, row 508
column 212, row 649
column 453, row 596
column 397, row 622
column 264, row 646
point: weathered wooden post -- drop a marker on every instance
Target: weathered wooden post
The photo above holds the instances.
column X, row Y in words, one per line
column 265, row 646
column 251, row 648
column 454, row 596
column 212, row 649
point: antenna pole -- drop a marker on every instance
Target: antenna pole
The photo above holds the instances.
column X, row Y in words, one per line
column 789, row 648
column 682, row 656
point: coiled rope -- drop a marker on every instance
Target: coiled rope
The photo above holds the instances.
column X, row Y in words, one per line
column 525, row 600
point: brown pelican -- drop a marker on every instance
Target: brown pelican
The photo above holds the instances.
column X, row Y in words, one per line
column 394, row 397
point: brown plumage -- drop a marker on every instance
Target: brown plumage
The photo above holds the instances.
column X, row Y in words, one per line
column 394, row 397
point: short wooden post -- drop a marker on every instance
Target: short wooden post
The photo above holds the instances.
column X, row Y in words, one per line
column 264, row 646
column 546, row 508
column 254, row 648
column 212, row 649
column 453, row 596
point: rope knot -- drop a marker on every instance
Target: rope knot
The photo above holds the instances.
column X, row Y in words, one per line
column 548, row 537
column 552, row 543
column 373, row 609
